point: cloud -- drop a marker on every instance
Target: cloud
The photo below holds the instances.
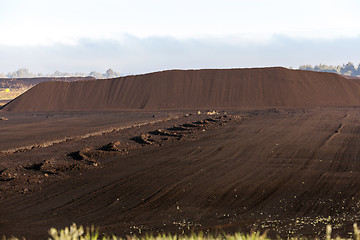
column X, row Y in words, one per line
column 139, row 55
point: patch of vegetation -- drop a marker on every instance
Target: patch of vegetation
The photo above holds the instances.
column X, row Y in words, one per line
column 11, row 93
column 78, row 233
column 26, row 73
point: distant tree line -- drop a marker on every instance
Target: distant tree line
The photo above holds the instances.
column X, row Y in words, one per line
column 25, row 73
column 346, row 69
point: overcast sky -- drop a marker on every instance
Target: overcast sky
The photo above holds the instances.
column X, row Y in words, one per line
column 137, row 36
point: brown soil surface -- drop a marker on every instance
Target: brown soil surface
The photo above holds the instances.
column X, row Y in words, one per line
column 355, row 80
column 194, row 89
column 288, row 171
column 32, row 130
column 351, row 77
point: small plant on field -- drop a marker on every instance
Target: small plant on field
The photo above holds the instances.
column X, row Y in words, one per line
column 12, row 238
column 356, row 232
column 75, row 233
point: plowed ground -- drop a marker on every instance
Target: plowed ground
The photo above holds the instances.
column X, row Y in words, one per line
column 288, row 171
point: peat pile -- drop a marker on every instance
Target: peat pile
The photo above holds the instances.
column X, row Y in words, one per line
column 194, row 89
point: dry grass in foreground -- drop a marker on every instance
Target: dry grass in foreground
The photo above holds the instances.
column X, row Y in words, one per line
column 78, row 233
column 11, row 93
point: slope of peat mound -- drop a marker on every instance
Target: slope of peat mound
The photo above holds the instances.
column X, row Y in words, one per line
column 194, row 89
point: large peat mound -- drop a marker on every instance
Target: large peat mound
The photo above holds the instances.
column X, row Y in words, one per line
column 194, row 89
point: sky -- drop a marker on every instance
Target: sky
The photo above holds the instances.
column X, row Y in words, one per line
column 138, row 36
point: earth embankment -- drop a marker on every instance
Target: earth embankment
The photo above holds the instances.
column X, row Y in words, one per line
column 194, row 89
